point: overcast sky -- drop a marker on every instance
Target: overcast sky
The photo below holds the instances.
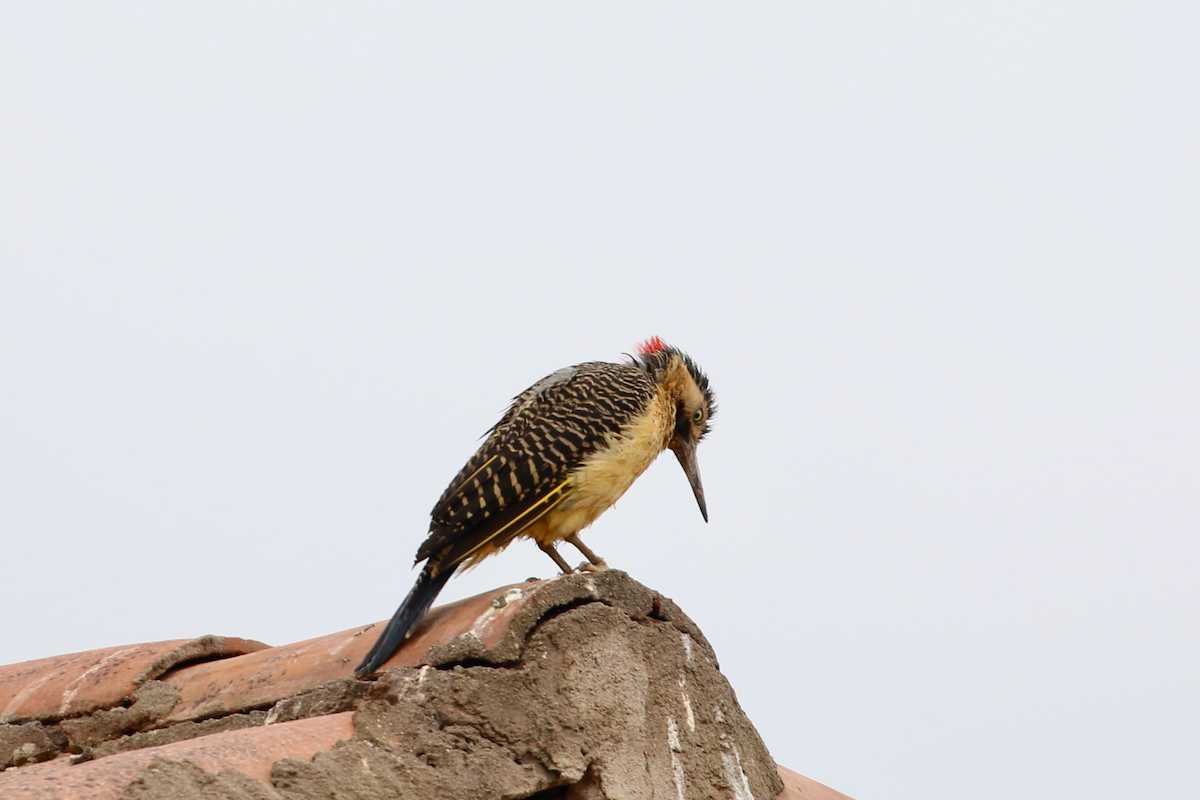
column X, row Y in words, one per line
column 270, row 270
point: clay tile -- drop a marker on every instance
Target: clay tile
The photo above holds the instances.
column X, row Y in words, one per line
column 798, row 787
column 260, row 679
column 252, row 751
column 79, row 683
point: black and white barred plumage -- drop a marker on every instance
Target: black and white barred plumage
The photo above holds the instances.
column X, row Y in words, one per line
column 563, row 452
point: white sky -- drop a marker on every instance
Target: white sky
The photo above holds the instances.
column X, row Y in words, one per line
column 270, row 270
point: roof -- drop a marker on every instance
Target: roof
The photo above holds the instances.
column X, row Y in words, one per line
column 529, row 688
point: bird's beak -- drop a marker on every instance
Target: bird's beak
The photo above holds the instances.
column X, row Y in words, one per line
column 685, row 451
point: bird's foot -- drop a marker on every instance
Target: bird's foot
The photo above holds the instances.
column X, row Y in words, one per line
column 549, row 550
column 594, row 562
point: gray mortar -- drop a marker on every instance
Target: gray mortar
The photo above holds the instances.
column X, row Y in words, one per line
column 152, row 701
column 27, row 743
column 331, row 698
column 179, row 732
column 118, row 730
column 587, row 697
column 183, row 780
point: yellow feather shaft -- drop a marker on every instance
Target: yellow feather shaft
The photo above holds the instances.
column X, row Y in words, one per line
column 545, row 501
column 475, row 474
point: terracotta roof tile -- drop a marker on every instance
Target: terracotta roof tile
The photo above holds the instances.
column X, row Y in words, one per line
column 79, row 683
column 90, row 692
column 252, row 751
column 263, row 678
column 798, row 787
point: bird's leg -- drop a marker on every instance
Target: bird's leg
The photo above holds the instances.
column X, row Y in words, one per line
column 548, row 549
column 595, row 562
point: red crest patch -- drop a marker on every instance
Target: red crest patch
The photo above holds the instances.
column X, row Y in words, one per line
column 652, row 345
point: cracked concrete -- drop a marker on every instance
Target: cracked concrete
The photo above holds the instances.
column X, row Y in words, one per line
column 601, row 704
column 589, row 687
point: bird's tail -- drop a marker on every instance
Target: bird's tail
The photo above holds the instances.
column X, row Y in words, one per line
column 419, row 599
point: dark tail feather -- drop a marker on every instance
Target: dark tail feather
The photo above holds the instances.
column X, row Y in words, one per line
column 419, row 599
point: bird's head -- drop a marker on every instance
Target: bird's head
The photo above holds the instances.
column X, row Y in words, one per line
column 686, row 387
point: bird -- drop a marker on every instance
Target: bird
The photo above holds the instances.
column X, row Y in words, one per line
column 565, row 451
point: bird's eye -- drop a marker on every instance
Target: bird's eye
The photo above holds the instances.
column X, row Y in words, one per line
column 698, row 417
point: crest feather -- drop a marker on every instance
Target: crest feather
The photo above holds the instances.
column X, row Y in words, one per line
column 652, row 345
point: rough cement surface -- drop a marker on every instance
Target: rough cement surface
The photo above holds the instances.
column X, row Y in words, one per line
column 331, row 698
column 599, row 689
column 178, row 733
column 152, row 701
column 27, row 743
column 183, row 780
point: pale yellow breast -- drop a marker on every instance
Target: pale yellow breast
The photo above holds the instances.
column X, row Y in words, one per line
column 605, row 475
